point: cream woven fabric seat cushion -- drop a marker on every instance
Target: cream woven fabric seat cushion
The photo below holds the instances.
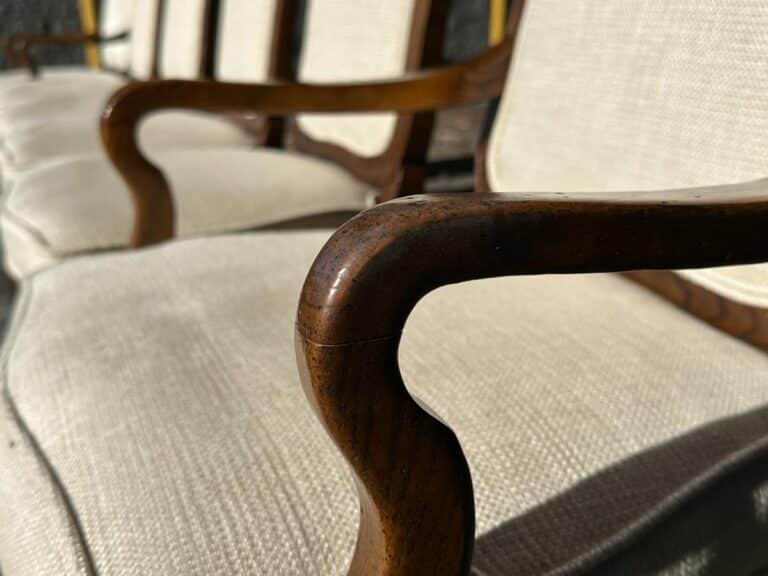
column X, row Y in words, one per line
column 82, row 206
column 11, row 79
column 23, row 107
column 160, row 388
column 46, row 142
column 71, row 81
column 182, row 41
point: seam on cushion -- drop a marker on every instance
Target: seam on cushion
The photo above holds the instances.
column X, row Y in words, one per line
column 30, row 228
column 84, row 558
column 34, row 232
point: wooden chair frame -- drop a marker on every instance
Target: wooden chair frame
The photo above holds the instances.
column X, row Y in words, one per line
column 745, row 322
column 418, row 511
column 477, row 80
column 400, row 170
column 431, row 503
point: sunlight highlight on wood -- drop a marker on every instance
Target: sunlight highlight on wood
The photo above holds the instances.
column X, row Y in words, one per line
column 497, row 21
column 89, row 26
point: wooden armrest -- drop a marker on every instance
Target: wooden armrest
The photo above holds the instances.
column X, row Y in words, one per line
column 413, row 481
column 476, row 80
column 17, row 46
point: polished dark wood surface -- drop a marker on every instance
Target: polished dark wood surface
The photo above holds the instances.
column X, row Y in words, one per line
column 413, row 484
column 474, row 81
column 510, row 234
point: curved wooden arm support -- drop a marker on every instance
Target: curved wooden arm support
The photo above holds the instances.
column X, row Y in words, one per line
column 415, row 491
column 17, row 46
column 477, row 80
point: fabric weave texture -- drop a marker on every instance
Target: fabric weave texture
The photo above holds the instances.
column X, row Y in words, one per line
column 161, row 387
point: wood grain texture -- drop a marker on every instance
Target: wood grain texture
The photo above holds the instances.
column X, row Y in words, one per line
column 414, row 486
column 748, row 323
column 415, row 493
column 477, row 80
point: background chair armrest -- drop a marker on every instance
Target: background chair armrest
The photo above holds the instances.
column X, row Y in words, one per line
column 17, row 46
column 476, row 80
column 417, row 511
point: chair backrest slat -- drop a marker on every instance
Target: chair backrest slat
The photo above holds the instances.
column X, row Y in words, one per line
column 143, row 38
column 171, row 38
column 355, row 41
column 245, row 40
column 116, row 17
column 362, row 41
column 183, row 39
column 343, row 41
column 647, row 94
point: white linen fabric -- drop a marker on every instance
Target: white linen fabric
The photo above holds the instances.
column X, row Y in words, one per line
column 41, row 144
column 160, row 388
column 27, row 107
column 354, row 41
column 116, row 17
column 143, row 36
column 182, row 33
column 215, row 190
column 299, row 185
column 246, row 29
column 12, row 79
column 652, row 95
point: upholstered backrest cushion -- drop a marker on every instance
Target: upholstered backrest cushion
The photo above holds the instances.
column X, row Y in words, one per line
column 354, row 41
column 143, row 33
column 182, row 38
column 634, row 95
column 246, row 30
column 116, row 17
